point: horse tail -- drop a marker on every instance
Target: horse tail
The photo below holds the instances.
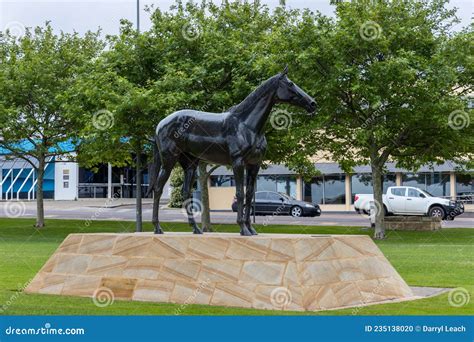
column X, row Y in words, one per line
column 154, row 169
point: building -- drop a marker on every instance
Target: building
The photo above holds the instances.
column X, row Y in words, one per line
column 333, row 189
column 65, row 180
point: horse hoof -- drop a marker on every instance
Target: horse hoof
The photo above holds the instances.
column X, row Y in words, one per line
column 197, row 231
column 160, row 231
column 253, row 231
column 245, row 233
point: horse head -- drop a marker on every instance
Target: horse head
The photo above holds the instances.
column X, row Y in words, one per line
column 289, row 92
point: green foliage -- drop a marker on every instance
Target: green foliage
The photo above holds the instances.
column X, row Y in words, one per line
column 35, row 73
column 118, row 92
column 387, row 77
column 201, row 56
column 176, row 183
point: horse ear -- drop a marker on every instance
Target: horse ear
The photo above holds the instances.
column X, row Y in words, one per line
column 285, row 71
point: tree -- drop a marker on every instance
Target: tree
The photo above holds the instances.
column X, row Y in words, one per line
column 217, row 55
column 389, row 78
column 176, row 182
column 119, row 91
column 35, row 73
column 203, row 176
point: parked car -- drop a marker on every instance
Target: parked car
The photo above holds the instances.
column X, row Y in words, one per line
column 277, row 203
column 406, row 200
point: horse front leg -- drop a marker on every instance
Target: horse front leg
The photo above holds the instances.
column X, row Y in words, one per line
column 163, row 176
column 238, row 169
column 156, row 210
column 252, row 172
column 189, row 176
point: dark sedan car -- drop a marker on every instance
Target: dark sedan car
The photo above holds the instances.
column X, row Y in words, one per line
column 277, row 203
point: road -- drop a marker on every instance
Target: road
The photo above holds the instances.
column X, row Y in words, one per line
column 124, row 210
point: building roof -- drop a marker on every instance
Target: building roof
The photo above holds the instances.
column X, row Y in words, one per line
column 333, row 168
column 25, row 145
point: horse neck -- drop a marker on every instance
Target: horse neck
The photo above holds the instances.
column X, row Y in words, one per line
column 256, row 114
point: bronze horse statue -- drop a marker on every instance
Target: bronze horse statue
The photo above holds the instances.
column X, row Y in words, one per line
column 235, row 138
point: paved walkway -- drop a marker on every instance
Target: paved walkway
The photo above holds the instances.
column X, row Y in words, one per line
column 124, row 209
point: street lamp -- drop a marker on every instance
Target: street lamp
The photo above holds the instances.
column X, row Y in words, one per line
column 138, row 15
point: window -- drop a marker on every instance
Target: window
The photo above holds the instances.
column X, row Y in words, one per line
column 398, row 191
column 416, row 180
column 88, row 176
column 266, row 183
column 361, row 183
column 436, row 183
column 222, row 181
column 414, row 193
column 283, row 184
column 286, row 185
column 335, row 189
column 66, row 174
column 465, row 187
column 327, row 189
column 261, row 196
column 313, row 191
column 274, row 197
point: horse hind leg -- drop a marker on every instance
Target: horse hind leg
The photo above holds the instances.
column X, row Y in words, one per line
column 163, row 176
column 239, row 172
column 189, row 165
column 252, row 172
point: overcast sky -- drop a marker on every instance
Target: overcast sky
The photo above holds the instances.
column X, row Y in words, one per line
column 68, row 15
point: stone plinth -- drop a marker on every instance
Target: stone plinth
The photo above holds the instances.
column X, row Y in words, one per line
column 412, row 223
column 268, row 271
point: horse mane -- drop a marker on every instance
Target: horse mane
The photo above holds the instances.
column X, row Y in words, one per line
column 254, row 96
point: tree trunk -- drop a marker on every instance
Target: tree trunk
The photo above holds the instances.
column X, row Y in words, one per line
column 138, row 225
column 205, row 214
column 39, row 193
column 379, row 233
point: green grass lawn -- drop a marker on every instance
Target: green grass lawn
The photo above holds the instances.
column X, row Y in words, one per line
column 437, row 259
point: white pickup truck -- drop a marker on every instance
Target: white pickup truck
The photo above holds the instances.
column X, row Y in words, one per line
column 406, row 200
